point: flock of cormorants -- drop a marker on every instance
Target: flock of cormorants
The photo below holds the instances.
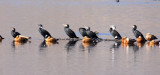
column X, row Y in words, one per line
column 88, row 36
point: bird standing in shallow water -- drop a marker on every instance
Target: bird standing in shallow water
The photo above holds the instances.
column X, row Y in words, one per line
column 114, row 33
column 43, row 32
column 137, row 33
column 150, row 37
column 82, row 31
column 69, row 32
column 91, row 34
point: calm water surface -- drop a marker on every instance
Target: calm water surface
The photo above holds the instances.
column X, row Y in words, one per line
column 75, row 58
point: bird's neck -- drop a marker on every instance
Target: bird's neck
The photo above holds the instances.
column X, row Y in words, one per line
column 41, row 27
column 133, row 29
column 13, row 31
column 66, row 27
column 110, row 29
column 88, row 30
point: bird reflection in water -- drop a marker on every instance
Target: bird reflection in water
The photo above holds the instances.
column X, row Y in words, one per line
column 138, row 45
column 70, row 45
column 152, row 43
column 116, row 45
column 127, row 45
column 88, row 46
column 45, row 44
column 113, row 48
column 16, row 44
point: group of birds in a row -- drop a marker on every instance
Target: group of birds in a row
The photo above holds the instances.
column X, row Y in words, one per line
column 88, row 35
column 139, row 37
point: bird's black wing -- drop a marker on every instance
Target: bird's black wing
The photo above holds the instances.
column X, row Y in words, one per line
column 44, row 32
column 82, row 31
column 154, row 37
column 14, row 34
column 138, row 33
column 116, row 35
column 17, row 33
column 93, row 35
column 71, row 34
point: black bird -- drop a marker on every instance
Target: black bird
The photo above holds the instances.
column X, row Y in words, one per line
column 137, row 33
column 91, row 34
column 82, row 31
column 43, row 32
column 69, row 32
column 114, row 33
column 14, row 33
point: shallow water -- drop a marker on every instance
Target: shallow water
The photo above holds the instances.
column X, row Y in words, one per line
column 75, row 58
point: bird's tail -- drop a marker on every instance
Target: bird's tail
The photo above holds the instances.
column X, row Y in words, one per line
column 57, row 39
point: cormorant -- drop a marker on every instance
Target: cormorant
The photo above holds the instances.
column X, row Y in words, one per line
column 14, row 33
column 69, row 32
column 137, row 33
column 114, row 33
column 43, row 32
column 18, row 37
column 91, row 34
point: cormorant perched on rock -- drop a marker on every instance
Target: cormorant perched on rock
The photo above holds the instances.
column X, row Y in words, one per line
column 91, row 34
column 82, row 31
column 137, row 33
column 69, row 32
column 114, row 33
column 43, row 32
column 18, row 37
